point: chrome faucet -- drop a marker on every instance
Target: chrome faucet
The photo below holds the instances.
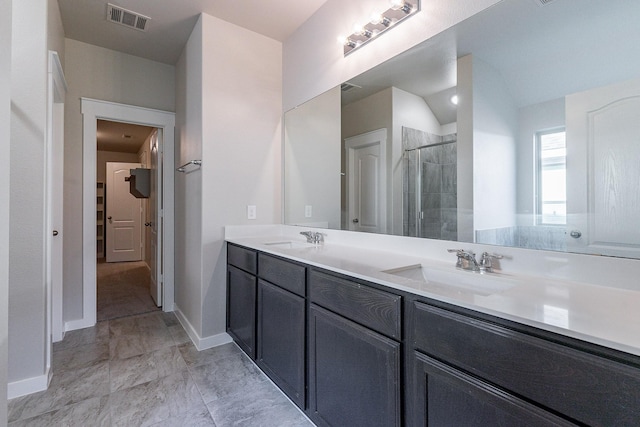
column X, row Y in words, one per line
column 467, row 261
column 486, row 261
column 313, row 237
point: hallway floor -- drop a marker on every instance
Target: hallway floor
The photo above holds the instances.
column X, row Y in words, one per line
column 123, row 289
column 142, row 371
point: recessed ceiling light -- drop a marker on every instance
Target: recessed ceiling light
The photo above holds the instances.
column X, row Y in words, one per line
column 454, row 99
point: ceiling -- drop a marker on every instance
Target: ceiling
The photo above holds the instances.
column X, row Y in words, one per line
column 121, row 137
column 532, row 46
column 168, row 30
column 173, row 20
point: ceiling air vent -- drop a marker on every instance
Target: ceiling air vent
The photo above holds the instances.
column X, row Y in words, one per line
column 543, row 2
column 346, row 87
column 126, row 17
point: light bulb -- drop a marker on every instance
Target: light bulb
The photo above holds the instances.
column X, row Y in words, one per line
column 376, row 18
column 342, row 40
column 454, row 99
column 397, row 4
column 358, row 30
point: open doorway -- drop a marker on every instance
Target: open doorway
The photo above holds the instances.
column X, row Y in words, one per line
column 92, row 111
column 125, row 254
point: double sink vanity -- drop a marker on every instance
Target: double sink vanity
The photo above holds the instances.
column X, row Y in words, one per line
column 359, row 336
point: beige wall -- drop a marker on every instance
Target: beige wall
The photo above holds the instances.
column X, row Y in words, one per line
column 99, row 73
column 111, row 156
column 232, row 122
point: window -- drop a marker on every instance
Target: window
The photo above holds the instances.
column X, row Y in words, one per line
column 551, row 191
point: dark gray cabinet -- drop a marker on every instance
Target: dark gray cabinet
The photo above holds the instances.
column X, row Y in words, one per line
column 445, row 396
column 569, row 379
column 350, row 353
column 281, row 339
column 354, row 373
column 241, row 308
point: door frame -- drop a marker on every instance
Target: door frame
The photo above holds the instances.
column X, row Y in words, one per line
column 360, row 141
column 93, row 110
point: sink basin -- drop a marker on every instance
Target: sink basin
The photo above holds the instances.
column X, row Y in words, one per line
column 480, row 284
column 289, row 244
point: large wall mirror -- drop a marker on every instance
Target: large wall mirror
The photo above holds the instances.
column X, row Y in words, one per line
column 542, row 150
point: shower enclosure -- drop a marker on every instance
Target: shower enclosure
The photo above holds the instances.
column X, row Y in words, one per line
column 429, row 185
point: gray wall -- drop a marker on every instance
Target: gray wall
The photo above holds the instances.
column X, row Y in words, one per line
column 5, row 133
column 98, row 73
column 230, row 116
column 27, row 307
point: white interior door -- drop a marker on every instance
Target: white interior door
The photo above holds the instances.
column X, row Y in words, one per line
column 155, row 223
column 366, row 171
column 124, row 215
column 603, row 170
column 55, row 170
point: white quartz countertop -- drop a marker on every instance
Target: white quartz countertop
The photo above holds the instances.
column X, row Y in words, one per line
column 601, row 315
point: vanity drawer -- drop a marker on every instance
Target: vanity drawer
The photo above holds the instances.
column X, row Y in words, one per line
column 583, row 386
column 370, row 307
column 284, row 274
column 243, row 258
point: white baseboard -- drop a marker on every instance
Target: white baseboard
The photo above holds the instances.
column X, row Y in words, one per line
column 201, row 343
column 72, row 325
column 29, row 385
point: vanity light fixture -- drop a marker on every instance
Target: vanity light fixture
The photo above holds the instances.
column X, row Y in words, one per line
column 398, row 11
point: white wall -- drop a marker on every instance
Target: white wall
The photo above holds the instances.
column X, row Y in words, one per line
column 98, row 73
column 312, row 156
column 532, row 119
column 495, row 123
column 232, row 121
column 27, row 223
column 5, row 134
column 314, row 62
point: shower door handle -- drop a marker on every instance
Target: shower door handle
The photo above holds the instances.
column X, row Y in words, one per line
column 355, row 221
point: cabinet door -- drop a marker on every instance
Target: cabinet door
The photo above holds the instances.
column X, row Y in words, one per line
column 354, row 373
column 241, row 308
column 444, row 396
column 281, row 316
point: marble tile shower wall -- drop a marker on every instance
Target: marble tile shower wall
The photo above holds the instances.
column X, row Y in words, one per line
column 529, row 237
column 438, row 196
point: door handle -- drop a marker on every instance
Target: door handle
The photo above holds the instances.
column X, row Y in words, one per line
column 147, row 224
column 109, row 218
column 55, row 233
column 576, row 234
column 355, row 221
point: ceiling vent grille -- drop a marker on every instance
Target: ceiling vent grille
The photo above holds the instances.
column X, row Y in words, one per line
column 125, row 17
column 346, row 87
column 543, row 2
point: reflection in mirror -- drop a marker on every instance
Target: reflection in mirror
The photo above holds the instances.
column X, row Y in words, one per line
column 542, row 150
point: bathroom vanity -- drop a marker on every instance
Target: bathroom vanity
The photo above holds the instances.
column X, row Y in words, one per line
column 353, row 341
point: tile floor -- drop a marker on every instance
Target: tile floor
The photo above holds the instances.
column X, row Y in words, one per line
column 144, row 371
column 123, row 289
